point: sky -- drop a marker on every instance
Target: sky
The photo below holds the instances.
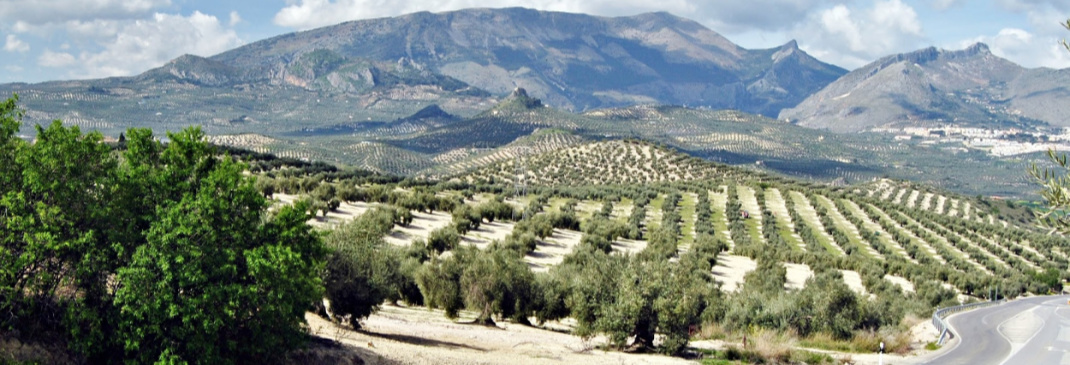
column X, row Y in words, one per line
column 81, row 39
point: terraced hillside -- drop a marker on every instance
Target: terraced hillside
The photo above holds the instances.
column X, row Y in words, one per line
column 938, row 201
column 611, row 162
column 433, row 143
column 809, row 227
column 752, row 238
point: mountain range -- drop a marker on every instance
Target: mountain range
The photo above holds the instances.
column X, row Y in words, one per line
column 428, row 94
column 932, row 87
column 572, row 61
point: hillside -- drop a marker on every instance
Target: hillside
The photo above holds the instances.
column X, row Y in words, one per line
column 932, row 87
column 382, row 69
column 572, row 61
column 884, row 221
column 891, row 246
column 618, row 162
column 425, row 95
column 433, row 143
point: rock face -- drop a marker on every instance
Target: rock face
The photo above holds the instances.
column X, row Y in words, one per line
column 573, row 61
column 969, row 87
column 195, row 70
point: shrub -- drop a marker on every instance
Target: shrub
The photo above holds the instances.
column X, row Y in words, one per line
column 443, row 239
column 214, row 281
column 361, row 271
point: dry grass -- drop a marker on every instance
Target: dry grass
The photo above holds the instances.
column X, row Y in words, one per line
column 863, row 342
column 773, row 345
column 712, row 331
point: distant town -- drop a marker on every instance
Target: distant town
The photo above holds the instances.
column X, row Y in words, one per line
column 997, row 142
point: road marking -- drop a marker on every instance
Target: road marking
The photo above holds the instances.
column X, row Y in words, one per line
column 1020, row 329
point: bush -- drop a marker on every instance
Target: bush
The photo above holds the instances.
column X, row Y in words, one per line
column 443, row 239
column 498, row 282
column 361, row 271
column 214, row 281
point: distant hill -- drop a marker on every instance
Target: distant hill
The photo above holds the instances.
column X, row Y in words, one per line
column 573, row 61
column 970, row 87
column 611, row 162
column 378, row 70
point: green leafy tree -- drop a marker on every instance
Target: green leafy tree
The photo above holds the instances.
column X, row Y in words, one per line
column 216, row 281
column 498, row 282
column 53, row 220
column 361, row 271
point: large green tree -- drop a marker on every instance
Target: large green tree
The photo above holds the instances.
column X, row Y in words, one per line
column 216, row 280
column 156, row 254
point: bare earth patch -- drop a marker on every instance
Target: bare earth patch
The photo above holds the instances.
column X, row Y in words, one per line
column 487, row 233
column 553, row 249
column 730, row 269
column 853, row 281
column 422, row 225
column 407, row 335
column 797, row 275
column 628, row 246
column 901, row 281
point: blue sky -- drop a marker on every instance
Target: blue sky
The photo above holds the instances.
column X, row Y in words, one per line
column 78, row 39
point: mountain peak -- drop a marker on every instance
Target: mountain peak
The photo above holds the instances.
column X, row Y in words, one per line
column 978, row 48
column 518, row 101
column 924, row 87
column 786, row 50
column 431, row 111
column 519, row 92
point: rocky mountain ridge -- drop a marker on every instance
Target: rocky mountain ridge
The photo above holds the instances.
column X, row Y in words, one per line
column 930, row 87
column 573, row 61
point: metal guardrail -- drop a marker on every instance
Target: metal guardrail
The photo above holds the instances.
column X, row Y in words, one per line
column 941, row 313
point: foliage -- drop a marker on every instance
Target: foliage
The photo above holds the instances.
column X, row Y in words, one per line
column 162, row 253
column 212, row 270
column 361, row 270
column 1056, row 192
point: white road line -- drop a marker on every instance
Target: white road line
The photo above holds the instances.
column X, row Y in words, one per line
column 1017, row 346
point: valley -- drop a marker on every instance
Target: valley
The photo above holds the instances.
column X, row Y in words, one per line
column 565, row 188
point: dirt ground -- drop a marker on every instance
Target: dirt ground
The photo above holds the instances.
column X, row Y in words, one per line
column 416, row 335
column 404, row 335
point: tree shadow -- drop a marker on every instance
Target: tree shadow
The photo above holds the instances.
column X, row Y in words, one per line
column 538, row 255
column 420, row 341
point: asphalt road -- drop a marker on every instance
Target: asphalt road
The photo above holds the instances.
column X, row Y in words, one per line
column 1025, row 331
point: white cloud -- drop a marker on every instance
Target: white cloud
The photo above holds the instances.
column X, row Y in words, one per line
column 852, row 37
column 150, row 43
column 59, row 11
column 1024, row 48
column 55, row 59
column 724, row 16
column 1045, row 16
column 945, row 4
column 137, row 46
column 13, row 44
column 235, row 18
